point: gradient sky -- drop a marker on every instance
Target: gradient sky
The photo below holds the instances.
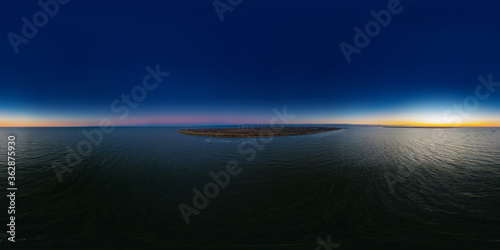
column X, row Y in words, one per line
column 264, row 55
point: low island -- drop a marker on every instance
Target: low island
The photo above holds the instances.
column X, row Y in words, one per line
column 256, row 132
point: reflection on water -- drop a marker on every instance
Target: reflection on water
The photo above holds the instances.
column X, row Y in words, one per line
column 127, row 192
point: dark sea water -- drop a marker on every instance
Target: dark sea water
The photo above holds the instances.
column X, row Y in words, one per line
column 367, row 187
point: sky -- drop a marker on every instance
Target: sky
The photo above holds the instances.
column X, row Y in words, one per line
column 421, row 67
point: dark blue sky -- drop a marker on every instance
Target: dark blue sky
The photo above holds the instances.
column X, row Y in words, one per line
column 264, row 54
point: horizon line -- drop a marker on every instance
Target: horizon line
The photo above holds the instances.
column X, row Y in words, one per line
column 262, row 124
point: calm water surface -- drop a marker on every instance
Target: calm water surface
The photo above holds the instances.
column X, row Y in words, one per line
column 363, row 186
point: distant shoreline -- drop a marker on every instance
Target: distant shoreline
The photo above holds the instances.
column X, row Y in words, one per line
column 415, row 127
column 256, row 132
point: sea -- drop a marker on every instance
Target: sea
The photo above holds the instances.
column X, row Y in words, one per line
column 358, row 187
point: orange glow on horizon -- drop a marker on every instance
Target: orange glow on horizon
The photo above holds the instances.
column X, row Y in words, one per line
column 415, row 124
column 470, row 124
column 91, row 124
column 421, row 124
column 26, row 121
column 43, row 124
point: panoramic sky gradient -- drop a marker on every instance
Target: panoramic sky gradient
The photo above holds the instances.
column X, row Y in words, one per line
column 422, row 68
